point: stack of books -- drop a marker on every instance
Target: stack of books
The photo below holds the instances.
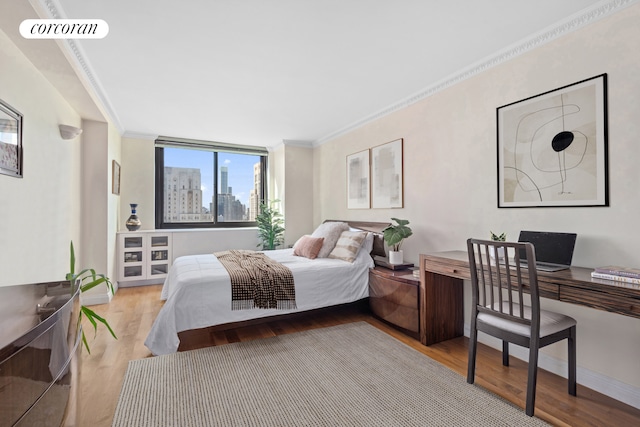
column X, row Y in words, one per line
column 620, row 274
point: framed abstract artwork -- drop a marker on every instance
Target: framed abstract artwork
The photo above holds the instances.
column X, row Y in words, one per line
column 10, row 141
column 552, row 148
column 358, row 193
column 387, row 175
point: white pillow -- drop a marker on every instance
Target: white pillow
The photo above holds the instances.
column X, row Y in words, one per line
column 331, row 232
column 348, row 245
column 367, row 245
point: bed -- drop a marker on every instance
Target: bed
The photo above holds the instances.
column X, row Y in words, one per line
column 197, row 290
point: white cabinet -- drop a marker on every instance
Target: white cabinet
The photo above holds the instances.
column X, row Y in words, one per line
column 144, row 257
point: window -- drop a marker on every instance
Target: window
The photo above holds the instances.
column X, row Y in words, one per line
column 207, row 184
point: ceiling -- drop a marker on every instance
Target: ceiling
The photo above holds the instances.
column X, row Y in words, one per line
column 261, row 72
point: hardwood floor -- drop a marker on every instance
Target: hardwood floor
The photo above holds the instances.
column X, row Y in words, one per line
column 132, row 311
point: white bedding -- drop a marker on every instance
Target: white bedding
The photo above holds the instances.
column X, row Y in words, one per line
column 197, row 291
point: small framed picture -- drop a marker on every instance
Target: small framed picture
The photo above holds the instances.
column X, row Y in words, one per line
column 115, row 177
column 387, row 175
column 10, row 141
column 358, row 180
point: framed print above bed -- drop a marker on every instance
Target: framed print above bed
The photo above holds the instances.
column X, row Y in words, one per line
column 552, row 148
column 358, row 180
column 386, row 175
column 10, row 141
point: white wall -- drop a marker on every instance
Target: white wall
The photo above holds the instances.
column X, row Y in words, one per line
column 137, row 183
column 101, row 145
column 450, row 177
column 194, row 242
column 298, row 164
column 39, row 213
column 65, row 193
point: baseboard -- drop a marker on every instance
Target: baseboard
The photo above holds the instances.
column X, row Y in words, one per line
column 133, row 284
column 95, row 299
column 611, row 387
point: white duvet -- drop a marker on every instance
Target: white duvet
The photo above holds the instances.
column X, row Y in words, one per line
column 197, row 291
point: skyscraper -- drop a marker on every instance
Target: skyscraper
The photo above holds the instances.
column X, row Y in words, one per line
column 183, row 195
column 254, row 198
column 229, row 209
column 224, row 180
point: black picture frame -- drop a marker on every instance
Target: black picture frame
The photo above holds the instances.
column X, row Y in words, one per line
column 10, row 141
column 552, row 148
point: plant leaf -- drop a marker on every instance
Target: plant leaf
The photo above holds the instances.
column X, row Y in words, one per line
column 92, row 316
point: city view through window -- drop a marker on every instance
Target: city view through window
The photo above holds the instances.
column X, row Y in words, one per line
column 189, row 194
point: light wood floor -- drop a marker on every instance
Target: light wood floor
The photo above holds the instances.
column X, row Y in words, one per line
column 132, row 311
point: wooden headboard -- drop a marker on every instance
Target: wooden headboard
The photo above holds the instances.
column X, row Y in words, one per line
column 374, row 227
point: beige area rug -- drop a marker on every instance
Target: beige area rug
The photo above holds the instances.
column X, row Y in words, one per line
column 346, row 375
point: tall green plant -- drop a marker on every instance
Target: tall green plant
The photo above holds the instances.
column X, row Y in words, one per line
column 394, row 234
column 270, row 226
column 87, row 279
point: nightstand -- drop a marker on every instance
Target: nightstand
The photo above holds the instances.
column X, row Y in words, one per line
column 394, row 298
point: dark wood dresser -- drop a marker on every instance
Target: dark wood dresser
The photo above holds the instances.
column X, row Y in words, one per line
column 394, row 298
column 39, row 354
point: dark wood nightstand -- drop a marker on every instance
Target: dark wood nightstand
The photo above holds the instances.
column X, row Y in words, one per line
column 394, row 298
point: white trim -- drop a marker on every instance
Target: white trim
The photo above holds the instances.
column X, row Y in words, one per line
column 611, row 387
column 95, row 299
column 574, row 22
column 298, row 143
column 139, row 135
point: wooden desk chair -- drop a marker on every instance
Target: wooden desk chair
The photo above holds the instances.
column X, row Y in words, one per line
column 497, row 299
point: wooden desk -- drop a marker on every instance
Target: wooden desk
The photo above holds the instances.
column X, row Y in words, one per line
column 442, row 305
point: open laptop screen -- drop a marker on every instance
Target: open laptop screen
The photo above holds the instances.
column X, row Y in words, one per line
column 553, row 248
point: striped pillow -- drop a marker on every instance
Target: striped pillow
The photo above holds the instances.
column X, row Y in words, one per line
column 348, row 245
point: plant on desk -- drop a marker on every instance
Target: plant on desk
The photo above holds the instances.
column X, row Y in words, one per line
column 87, row 279
column 394, row 235
column 498, row 238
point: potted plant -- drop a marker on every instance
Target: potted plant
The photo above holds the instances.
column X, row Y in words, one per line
column 498, row 238
column 393, row 236
column 87, row 279
column 270, row 226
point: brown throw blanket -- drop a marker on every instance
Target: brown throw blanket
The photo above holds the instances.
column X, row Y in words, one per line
column 257, row 281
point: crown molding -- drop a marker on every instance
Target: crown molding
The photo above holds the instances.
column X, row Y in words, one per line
column 140, row 135
column 298, row 143
column 76, row 56
column 566, row 26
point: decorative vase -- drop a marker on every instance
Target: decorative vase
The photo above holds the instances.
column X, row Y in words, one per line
column 500, row 253
column 133, row 223
column 395, row 257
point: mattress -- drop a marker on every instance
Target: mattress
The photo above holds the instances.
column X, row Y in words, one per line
column 197, row 291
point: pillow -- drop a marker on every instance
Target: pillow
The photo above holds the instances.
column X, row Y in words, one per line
column 308, row 246
column 331, row 232
column 348, row 245
column 367, row 245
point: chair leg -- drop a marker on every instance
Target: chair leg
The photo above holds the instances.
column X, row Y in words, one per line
column 473, row 345
column 572, row 361
column 505, row 353
column 532, row 378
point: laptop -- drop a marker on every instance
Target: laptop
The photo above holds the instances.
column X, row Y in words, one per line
column 554, row 251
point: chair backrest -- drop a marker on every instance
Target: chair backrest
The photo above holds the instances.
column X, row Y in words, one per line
column 498, row 284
